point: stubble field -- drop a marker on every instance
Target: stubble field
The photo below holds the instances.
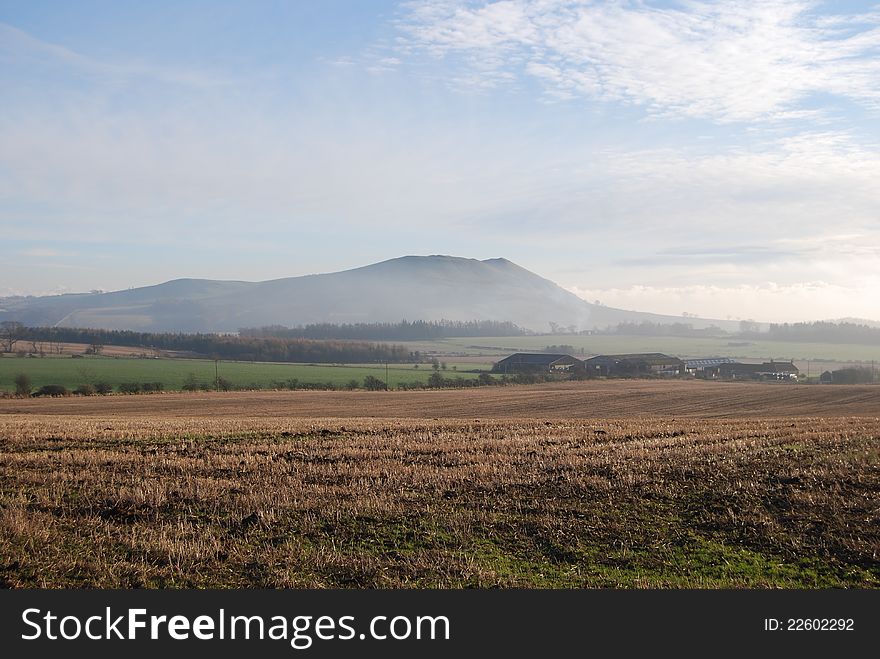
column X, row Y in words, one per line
column 511, row 487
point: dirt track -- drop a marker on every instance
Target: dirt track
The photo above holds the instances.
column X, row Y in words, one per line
column 576, row 400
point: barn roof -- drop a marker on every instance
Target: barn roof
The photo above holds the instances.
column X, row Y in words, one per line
column 710, row 361
column 534, row 358
column 651, row 357
column 781, row 367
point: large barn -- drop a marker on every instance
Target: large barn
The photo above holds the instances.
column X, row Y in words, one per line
column 650, row 363
column 538, row 362
column 706, row 367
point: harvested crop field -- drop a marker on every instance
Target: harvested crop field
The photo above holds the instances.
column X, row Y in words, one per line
column 570, row 400
column 99, row 493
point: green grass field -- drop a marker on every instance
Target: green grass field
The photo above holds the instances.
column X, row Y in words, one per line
column 466, row 354
column 491, row 348
column 172, row 373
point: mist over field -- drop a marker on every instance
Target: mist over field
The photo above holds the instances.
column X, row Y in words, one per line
column 429, row 288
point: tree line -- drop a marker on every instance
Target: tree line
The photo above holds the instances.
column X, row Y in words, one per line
column 418, row 330
column 806, row 332
column 821, row 332
column 220, row 346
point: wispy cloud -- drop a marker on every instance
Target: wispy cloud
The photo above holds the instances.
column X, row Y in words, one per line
column 17, row 46
column 40, row 252
column 729, row 61
column 319, row 166
column 93, row 169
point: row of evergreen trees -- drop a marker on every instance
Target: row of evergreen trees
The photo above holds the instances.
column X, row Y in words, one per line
column 230, row 347
column 419, row 330
column 823, row 332
column 815, row 332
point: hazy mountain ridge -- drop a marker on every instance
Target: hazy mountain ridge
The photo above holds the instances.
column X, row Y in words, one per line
column 410, row 287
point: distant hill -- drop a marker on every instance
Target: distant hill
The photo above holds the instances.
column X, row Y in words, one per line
column 410, row 287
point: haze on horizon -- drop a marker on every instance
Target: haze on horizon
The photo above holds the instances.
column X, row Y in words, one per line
column 719, row 159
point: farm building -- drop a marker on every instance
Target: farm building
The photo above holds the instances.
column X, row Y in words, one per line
column 705, row 368
column 538, row 362
column 771, row 370
column 651, row 363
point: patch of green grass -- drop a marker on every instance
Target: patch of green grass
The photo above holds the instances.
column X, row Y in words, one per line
column 718, row 564
column 494, row 347
column 173, row 373
column 506, row 554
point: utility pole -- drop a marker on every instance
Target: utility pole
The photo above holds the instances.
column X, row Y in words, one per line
column 386, row 376
column 217, row 375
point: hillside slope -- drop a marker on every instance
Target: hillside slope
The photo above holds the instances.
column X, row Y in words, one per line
column 410, row 287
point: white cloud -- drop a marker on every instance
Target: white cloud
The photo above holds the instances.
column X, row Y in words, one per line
column 727, row 61
column 767, row 302
column 352, row 167
column 770, row 191
column 171, row 177
column 40, row 252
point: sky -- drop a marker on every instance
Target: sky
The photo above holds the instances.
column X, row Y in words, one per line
column 720, row 159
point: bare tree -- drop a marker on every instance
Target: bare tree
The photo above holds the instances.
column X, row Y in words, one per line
column 10, row 333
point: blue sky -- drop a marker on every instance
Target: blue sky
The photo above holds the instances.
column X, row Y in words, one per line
column 721, row 159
